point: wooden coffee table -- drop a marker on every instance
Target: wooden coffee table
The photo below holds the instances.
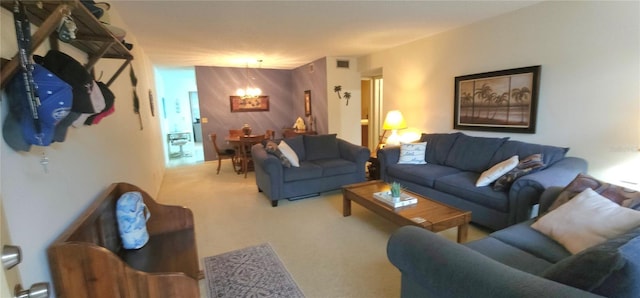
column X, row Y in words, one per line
column 437, row 216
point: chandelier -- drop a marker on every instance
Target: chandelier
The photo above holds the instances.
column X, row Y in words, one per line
column 249, row 91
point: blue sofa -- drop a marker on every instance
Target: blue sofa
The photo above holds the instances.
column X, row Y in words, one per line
column 326, row 163
column 514, row 262
column 455, row 161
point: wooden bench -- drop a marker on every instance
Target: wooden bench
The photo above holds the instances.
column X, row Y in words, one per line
column 88, row 260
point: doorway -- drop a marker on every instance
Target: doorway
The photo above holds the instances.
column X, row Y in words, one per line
column 185, row 143
column 372, row 99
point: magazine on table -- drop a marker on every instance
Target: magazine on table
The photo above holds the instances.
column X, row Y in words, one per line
column 385, row 197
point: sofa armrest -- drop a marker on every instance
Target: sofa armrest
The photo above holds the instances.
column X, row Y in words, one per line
column 433, row 266
column 548, row 197
column 526, row 190
column 352, row 152
column 387, row 156
column 269, row 163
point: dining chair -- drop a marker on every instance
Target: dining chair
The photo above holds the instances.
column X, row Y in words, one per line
column 269, row 134
column 233, row 133
column 245, row 150
column 227, row 154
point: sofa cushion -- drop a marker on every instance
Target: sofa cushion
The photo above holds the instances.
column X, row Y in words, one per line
column 335, row 166
column 463, row 185
column 496, row 171
column 530, row 240
column 588, row 269
column 626, row 281
column 587, row 220
column 307, row 170
column 612, row 192
column 473, row 153
column 321, row 147
column 297, row 144
column 413, row 153
column 528, row 165
column 420, row 174
column 550, row 154
column 509, row 255
column 438, row 146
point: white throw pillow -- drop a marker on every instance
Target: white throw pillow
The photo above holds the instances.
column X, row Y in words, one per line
column 586, row 220
column 499, row 169
column 289, row 154
column 413, row 153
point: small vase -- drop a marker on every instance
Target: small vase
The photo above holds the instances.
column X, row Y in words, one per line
column 246, row 129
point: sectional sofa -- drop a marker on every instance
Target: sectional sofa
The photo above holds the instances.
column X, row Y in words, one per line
column 523, row 261
column 452, row 164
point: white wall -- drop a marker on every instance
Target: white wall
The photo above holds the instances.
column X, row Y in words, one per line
column 589, row 95
column 39, row 205
column 344, row 119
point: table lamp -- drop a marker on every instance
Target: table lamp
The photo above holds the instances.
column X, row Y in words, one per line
column 393, row 122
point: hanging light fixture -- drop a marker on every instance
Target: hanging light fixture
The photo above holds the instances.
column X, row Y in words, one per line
column 249, row 91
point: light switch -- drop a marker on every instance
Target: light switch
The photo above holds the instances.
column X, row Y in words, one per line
column 204, row 120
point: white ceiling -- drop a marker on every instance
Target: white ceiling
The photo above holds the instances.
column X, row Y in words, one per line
column 288, row 34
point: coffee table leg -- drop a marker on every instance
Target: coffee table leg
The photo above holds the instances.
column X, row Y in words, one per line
column 462, row 232
column 346, row 206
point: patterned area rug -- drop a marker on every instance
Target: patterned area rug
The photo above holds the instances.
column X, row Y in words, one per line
column 254, row 271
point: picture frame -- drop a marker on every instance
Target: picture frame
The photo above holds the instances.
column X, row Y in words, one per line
column 307, row 102
column 249, row 104
column 502, row 101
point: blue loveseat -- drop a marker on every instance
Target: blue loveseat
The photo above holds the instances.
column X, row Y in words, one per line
column 326, row 163
column 517, row 261
column 455, row 161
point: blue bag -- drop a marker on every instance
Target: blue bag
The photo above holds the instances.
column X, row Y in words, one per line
column 132, row 215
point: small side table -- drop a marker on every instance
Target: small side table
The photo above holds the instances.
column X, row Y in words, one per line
column 373, row 168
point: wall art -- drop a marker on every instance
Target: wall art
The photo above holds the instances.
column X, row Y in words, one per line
column 505, row 100
column 249, row 104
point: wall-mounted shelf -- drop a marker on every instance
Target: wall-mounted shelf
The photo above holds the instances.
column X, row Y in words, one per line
column 92, row 36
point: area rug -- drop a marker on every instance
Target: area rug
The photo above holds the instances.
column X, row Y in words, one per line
column 254, row 271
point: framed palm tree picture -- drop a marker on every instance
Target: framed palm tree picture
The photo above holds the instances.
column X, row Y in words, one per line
column 504, row 100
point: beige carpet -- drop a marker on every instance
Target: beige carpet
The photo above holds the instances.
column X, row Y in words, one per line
column 328, row 255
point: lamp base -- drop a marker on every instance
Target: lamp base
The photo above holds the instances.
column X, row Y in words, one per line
column 394, row 138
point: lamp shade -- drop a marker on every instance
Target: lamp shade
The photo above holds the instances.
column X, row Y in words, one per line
column 394, row 120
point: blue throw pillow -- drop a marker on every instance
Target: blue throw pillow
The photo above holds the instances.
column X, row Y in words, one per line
column 321, row 147
column 551, row 154
column 297, row 144
column 439, row 146
column 588, row 269
column 473, row 153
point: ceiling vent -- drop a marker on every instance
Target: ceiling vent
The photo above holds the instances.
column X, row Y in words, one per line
column 342, row 63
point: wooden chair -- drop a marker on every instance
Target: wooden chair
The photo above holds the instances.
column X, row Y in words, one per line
column 269, row 135
column 245, row 151
column 227, row 154
column 235, row 133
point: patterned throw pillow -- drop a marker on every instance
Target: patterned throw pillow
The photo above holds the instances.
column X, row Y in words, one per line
column 272, row 148
column 618, row 194
column 526, row 166
column 492, row 174
column 413, row 153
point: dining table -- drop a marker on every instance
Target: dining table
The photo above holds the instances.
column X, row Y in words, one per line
column 236, row 143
